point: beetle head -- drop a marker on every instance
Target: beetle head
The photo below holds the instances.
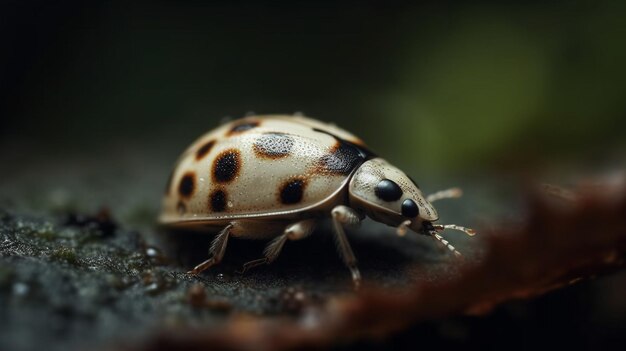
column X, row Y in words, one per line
column 388, row 195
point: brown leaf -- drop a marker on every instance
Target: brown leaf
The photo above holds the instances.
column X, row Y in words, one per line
column 562, row 241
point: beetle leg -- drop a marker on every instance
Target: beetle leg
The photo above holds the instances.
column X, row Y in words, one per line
column 217, row 249
column 295, row 231
column 343, row 215
column 451, row 193
column 403, row 228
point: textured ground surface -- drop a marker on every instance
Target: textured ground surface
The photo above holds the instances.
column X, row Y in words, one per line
column 83, row 264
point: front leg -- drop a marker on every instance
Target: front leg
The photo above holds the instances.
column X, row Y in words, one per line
column 344, row 215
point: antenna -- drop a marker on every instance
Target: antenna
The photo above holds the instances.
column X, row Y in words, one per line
column 446, row 243
column 451, row 193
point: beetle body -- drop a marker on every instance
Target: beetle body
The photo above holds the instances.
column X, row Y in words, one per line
column 276, row 176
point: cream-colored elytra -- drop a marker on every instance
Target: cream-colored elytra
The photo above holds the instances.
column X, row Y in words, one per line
column 294, row 149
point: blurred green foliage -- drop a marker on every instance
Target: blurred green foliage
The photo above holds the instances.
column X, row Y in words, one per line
column 542, row 79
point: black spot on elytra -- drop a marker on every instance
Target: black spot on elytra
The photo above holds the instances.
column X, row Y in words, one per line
column 187, row 184
column 204, row 149
column 218, row 200
column 273, row 145
column 409, row 208
column 364, row 152
column 344, row 156
column 226, row 166
column 342, row 159
column 388, row 190
column 292, row 191
column 243, row 126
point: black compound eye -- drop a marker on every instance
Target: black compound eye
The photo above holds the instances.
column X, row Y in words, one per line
column 409, row 208
column 388, row 190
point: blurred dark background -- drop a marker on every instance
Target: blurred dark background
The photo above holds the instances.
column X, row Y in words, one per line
column 449, row 84
column 98, row 98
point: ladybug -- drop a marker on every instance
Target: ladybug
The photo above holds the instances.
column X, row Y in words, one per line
column 274, row 177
